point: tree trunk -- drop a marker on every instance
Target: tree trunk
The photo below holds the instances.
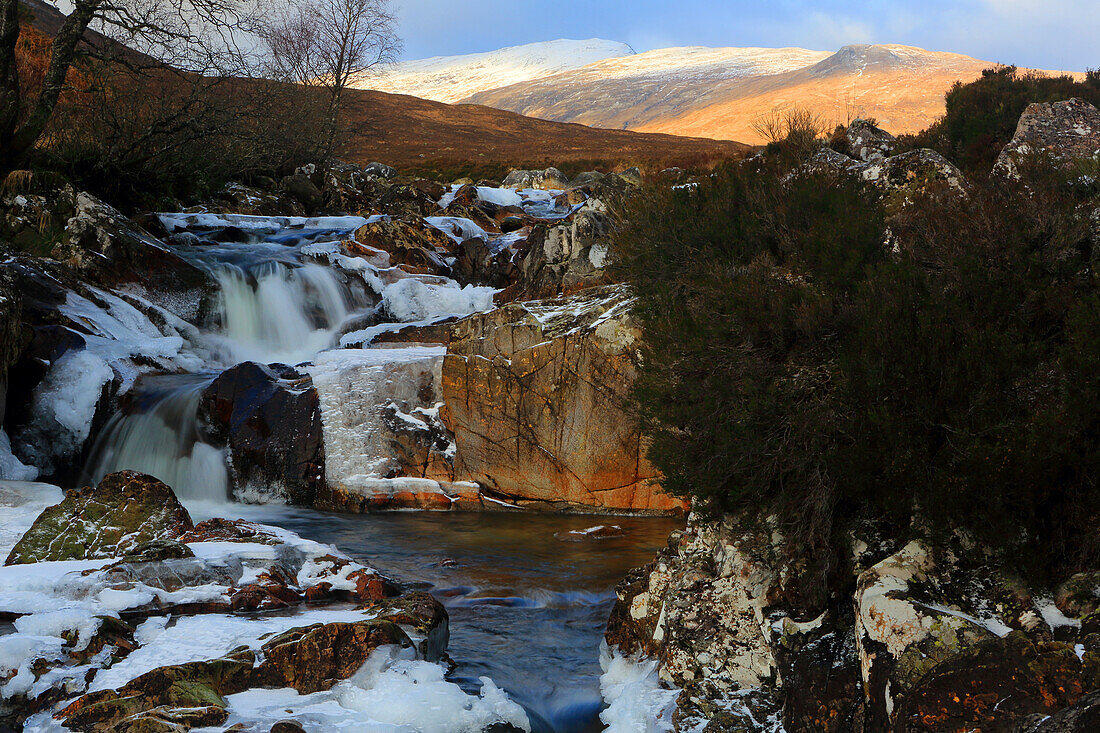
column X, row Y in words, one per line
column 9, row 78
column 62, row 53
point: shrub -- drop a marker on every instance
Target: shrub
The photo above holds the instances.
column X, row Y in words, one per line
column 981, row 116
column 795, row 367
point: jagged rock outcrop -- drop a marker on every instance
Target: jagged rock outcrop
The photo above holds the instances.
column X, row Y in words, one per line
column 866, row 141
column 124, row 511
column 564, row 258
column 1059, row 131
column 534, row 397
column 926, row 639
column 269, row 418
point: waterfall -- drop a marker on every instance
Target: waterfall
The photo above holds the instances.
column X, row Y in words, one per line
column 278, row 313
column 160, row 436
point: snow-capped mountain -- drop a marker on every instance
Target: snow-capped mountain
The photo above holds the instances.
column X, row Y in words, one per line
column 694, row 91
column 453, row 78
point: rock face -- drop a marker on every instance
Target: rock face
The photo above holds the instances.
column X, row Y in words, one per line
column 534, row 396
column 565, row 258
column 126, row 510
column 927, row 639
column 269, row 418
column 1064, row 131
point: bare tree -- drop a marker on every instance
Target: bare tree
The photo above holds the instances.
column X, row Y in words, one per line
column 200, row 37
column 329, row 44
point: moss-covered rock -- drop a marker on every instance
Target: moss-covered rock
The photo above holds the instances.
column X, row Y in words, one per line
column 125, row 512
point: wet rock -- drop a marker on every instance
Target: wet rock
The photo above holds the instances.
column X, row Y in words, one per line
column 287, row 726
column 866, row 141
column 402, row 200
column 228, row 530
column 1079, row 596
column 434, row 333
column 1081, row 717
column 269, row 418
column 548, row 179
column 512, row 224
column 316, row 657
column 415, row 245
column 105, row 246
column 994, row 685
column 535, row 393
column 1059, row 131
column 238, row 198
column 423, row 618
column 194, row 686
column 420, row 442
column 160, row 548
column 126, row 510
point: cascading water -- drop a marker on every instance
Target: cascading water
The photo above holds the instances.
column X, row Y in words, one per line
column 161, row 436
column 279, row 313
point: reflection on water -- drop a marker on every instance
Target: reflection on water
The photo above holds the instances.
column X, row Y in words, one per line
column 527, row 610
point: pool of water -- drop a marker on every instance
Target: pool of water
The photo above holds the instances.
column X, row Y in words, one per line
column 527, row 608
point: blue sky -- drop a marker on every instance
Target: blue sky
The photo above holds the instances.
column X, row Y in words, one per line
column 1050, row 34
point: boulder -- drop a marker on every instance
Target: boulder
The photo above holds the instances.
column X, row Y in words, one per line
column 534, row 395
column 301, row 188
column 913, row 172
column 549, row 179
column 126, row 510
column 866, row 141
column 269, row 418
column 315, row 658
column 1059, row 131
column 995, row 685
column 103, row 245
column 380, row 170
column 1081, row 717
column 415, row 245
column 565, row 258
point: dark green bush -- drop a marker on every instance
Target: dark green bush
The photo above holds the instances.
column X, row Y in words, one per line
column 981, row 116
column 796, row 367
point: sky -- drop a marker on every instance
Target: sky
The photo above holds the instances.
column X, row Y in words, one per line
column 1047, row 34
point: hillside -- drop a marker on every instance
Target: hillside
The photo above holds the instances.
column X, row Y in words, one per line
column 902, row 87
column 408, row 132
column 697, row 91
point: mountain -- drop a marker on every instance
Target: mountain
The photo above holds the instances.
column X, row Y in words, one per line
column 704, row 92
column 453, row 78
column 720, row 95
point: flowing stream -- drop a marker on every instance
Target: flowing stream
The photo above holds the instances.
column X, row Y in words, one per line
column 528, row 602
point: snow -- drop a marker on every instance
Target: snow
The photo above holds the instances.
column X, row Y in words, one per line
column 11, row 468
column 353, row 386
column 411, row 300
column 20, row 504
column 391, row 693
column 181, row 221
column 636, row 701
column 63, row 406
column 210, row 636
column 499, row 196
column 457, row 228
column 701, row 63
column 1053, row 615
column 452, row 78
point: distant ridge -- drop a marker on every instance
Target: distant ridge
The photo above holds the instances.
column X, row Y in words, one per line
column 453, row 78
column 695, row 91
